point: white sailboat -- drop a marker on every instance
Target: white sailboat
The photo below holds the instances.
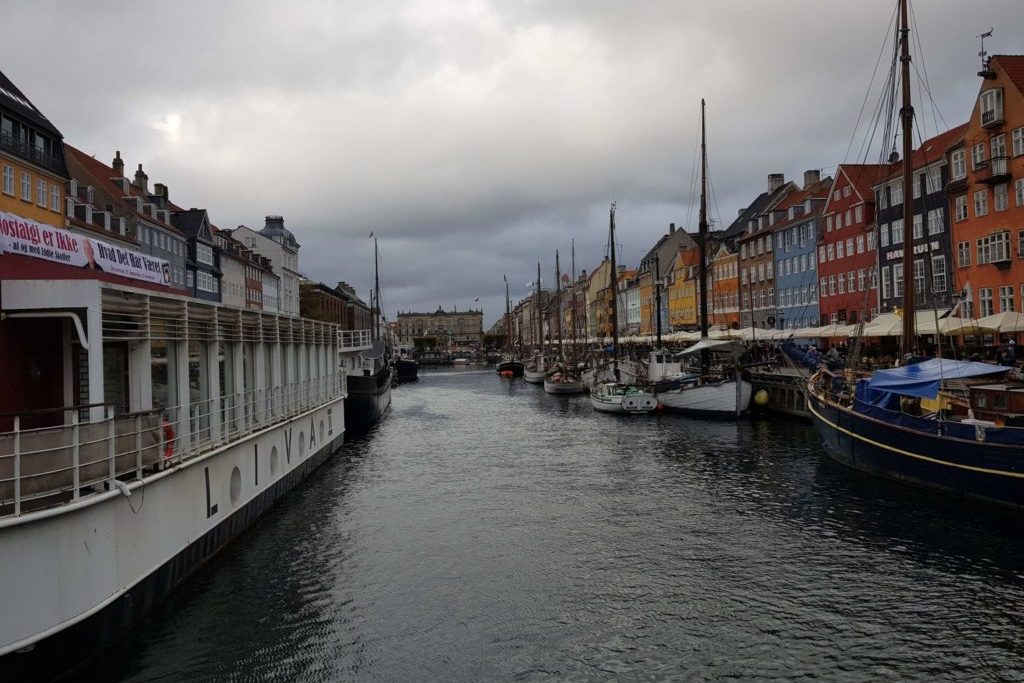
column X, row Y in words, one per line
column 536, row 370
column 705, row 393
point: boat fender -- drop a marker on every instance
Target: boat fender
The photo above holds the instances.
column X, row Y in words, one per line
column 168, row 439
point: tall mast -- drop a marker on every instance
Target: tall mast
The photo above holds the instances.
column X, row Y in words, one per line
column 376, row 290
column 702, row 228
column 657, row 295
column 907, row 116
column 573, row 247
column 615, row 291
column 558, row 306
column 508, row 319
column 540, row 317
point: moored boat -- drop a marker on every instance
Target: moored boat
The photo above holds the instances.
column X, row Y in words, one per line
column 622, row 399
column 560, row 382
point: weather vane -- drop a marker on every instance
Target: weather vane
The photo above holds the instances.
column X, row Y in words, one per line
column 983, row 54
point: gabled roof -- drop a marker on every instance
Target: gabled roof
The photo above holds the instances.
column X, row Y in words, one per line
column 763, row 202
column 191, row 222
column 1013, row 67
column 818, row 190
column 100, row 177
column 13, row 99
column 862, row 178
column 931, row 150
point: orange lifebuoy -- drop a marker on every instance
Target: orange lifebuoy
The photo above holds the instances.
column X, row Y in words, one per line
column 168, row 440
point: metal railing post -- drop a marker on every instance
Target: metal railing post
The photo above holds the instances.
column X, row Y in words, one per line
column 138, row 447
column 111, row 449
column 76, row 473
column 17, row 464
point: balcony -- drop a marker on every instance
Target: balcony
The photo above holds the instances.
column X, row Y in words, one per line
column 992, row 118
column 19, row 147
column 995, row 171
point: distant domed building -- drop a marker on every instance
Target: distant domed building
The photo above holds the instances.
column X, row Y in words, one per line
column 274, row 229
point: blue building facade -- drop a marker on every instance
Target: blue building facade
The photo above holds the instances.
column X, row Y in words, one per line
column 796, row 275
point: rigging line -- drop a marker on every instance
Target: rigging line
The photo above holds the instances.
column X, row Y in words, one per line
column 884, row 103
column 867, row 93
column 935, row 105
column 924, row 70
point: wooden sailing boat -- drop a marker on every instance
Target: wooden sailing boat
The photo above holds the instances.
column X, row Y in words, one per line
column 535, row 371
column 876, row 423
column 564, row 379
column 706, row 393
column 509, row 366
column 618, row 396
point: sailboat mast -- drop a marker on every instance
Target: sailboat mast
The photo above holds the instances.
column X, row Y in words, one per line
column 508, row 319
column 573, row 247
column 657, row 296
column 702, row 229
column 376, row 289
column 540, row 316
column 907, row 116
column 558, row 306
column 615, row 290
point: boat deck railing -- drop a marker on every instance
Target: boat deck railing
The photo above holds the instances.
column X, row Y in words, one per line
column 64, row 457
column 354, row 340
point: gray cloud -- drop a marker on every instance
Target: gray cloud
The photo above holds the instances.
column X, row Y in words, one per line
column 474, row 137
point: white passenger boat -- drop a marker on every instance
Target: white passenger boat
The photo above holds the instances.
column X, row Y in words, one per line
column 150, row 430
column 612, row 397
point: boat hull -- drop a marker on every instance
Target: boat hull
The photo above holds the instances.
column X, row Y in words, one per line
column 98, row 567
column 406, row 370
column 513, row 367
column 368, row 397
column 534, row 376
column 980, row 470
column 574, row 387
column 723, row 399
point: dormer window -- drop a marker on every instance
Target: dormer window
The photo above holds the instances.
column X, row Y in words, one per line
column 992, row 107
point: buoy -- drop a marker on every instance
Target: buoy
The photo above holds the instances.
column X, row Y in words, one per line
column 761, row 397
column 506, row 373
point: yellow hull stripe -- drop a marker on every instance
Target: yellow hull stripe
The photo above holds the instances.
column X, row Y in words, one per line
column 917, row 456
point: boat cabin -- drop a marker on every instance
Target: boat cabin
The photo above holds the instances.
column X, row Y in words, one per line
column 1002, row 404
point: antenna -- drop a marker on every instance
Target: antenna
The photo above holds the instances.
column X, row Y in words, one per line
column 985, row 71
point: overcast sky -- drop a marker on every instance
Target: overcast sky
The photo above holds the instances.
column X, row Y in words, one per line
column 474, row 138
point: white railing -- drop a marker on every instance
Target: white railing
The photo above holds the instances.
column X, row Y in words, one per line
column 354, row 340
column 52, row 465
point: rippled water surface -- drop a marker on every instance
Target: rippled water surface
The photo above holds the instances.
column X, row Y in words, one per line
column 488, row 531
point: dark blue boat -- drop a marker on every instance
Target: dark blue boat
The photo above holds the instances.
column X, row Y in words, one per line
column 870, row 432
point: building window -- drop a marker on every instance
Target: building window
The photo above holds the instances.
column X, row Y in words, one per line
column 886, row 283
column 8, row 180
column 918, row 226
column 977, row 156
column 939, row 281
column 1018, row 141
column 830, row 251
column 821, row 253
column 884, row 232
column 883, row 198
column 985, row 298
column 959, row 164
column 828, row 223
column 981, row 203
column 860, row 244
column 871, row 241
column 850, row 281
column 1006, row 299
column 897, row 232
column 897, row 279
column 41, row 192
column 26, row 186
column 858, row 212
column 991, row 106
column 961, row 208
column 1019, row 191
column 896, row 191
column 935, row 221
column 994, row 248
column 1020, row 243
column 862, row 278
column 1001, row 193
column 840, row 250
column 917, row 180
column 204, row 254
column 963, row 254
column 190, row 276
column 841, row 284
column 55, row 198
column 831, row 285
column 919, row 276
column 933, row 179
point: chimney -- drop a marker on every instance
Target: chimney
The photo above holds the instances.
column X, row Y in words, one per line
column 671, row 228
column 740, row 212
column 775, row 181
column 142, row 180
column 160, row 190
column 812, row 177
column 118, row 165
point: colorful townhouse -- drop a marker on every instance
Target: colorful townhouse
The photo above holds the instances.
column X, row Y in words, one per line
column 682, row 290
column 757, row 264
column 929, row 236
column 847, row 254
column 986, row 192
column 655, row 265
column 795, row 234
column 724, row 303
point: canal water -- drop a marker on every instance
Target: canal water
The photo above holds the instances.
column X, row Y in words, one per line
column 488, row 531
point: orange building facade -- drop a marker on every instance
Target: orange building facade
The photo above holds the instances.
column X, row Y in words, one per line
column 986, row 193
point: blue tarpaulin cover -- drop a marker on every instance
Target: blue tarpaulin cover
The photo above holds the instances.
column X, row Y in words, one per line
column 923, row 379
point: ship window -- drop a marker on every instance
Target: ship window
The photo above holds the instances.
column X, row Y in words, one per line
column 981, row 400
column 999, row 401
